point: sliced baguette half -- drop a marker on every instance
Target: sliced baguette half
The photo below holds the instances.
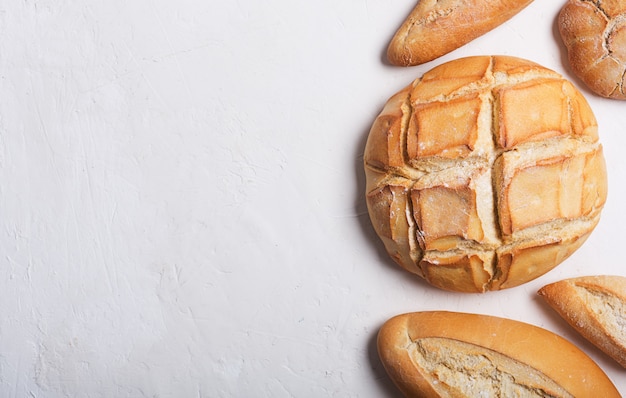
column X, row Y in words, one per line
column 453, row 354
column 596, row 307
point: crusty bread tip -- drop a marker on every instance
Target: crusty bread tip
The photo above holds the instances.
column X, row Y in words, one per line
column 437, row 27
column 451, row 354
column 595, row 306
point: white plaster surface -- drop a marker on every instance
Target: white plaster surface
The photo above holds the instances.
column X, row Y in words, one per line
column 181, row 197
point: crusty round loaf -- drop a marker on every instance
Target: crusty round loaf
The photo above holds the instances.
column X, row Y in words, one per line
column 452, row 354
column 594, row 33
column 484, row 173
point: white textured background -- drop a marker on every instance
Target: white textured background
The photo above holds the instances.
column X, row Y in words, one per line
column 181, row 197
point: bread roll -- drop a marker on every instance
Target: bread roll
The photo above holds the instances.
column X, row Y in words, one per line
column 594, row 33
column 596, row 307
column 484, row 173
column 448, row 354
column 436, row 27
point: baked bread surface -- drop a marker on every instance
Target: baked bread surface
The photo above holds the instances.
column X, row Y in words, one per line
column 596, row 307
column 436, row 27
column 451, row 354
column 484, row 173
column 594, row 33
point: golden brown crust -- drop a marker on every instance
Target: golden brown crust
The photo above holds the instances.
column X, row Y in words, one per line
column 436, row 27
column 594, row 33
column 485, row 173
column 512, row 350
column 596, row 307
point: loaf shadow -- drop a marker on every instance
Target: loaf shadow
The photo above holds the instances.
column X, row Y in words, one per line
column 383, row 56
column 388, row 389
column 360, row 205
column 557, row 39
column 401, row 15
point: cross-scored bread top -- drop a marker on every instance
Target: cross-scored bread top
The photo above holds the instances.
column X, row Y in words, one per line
column 484, row 173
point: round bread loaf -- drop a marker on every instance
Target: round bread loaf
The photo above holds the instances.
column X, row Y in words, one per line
column 484, row 173
column 594, row 33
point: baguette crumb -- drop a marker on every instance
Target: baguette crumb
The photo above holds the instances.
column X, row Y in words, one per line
column 440, row 354
column 461, row 369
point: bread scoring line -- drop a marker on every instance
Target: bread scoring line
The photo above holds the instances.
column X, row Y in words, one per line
column 408, row 176
column 488, row 85
column 598, row 6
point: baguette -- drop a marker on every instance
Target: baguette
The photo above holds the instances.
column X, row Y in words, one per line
column 437, row 27
column 450, row 354
column 596, row 307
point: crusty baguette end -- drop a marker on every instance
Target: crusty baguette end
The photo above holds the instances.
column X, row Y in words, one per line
column 437, row 27
column 596, row 307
